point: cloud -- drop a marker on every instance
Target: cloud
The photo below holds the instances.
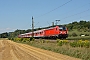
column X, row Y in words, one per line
column 2, row 30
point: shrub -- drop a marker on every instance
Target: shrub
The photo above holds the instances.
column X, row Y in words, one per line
column 86, row 34
column 47, row 41
column 65, row 41
column 23, row 40
column 26, row 40
column 17, row 39
column 12, row 38
column 80, row 43
column 74, row 34
column 32, row 39
column 62, row 42
column 42, row 41
column 87, row 43
column 9, row 38
column 58, row 40
column 73, row 44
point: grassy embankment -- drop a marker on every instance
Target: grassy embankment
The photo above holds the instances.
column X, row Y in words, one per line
column 75, row 48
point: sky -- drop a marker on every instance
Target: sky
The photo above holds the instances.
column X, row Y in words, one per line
column 17, row 14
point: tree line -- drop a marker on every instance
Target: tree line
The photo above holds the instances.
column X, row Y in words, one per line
column 80, row 26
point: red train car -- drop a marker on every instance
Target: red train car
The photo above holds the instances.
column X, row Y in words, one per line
column 53, row 32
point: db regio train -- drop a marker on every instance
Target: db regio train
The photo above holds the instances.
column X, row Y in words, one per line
column 60, row 32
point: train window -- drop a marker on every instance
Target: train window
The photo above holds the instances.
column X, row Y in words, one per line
column 40, row 33
column 62, row 28
column 56, row 28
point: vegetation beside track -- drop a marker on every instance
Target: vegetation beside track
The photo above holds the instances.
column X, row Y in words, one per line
column 79, row 38
column 74, row 48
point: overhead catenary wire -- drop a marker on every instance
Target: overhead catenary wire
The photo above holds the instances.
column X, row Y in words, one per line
column 76, row 14
column 62, row 6
column 77, row 8
column 82, row 17
column 54, row 9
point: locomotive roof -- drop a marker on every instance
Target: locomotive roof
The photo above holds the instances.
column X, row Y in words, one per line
column 54, row 26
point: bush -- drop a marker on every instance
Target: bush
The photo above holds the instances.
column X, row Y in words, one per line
column 87, row 43
column 32, row 39
column 22, row 39
column 80, row 43
column 73, row 44
column 26, row 40
column 12, row 38
column 9, row 38
column 74, row 34
column 86, row 34
column 62, row 42
column 58, row 40
column 42, row 41
column 17, row 39
column 47, row 41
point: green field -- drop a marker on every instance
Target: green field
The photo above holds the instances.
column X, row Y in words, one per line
column 78, row 32
column 76, row 35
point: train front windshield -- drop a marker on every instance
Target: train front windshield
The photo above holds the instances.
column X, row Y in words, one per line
column 62, row 28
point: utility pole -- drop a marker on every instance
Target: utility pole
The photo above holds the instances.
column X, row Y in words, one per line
column 52, row 23
column 57, row 21
column 32, row 27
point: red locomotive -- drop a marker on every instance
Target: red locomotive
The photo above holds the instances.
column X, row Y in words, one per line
column 60, row 32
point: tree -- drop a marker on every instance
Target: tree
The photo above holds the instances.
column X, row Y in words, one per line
column 4, row 35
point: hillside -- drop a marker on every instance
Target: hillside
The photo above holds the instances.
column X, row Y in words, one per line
column 79, row 26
